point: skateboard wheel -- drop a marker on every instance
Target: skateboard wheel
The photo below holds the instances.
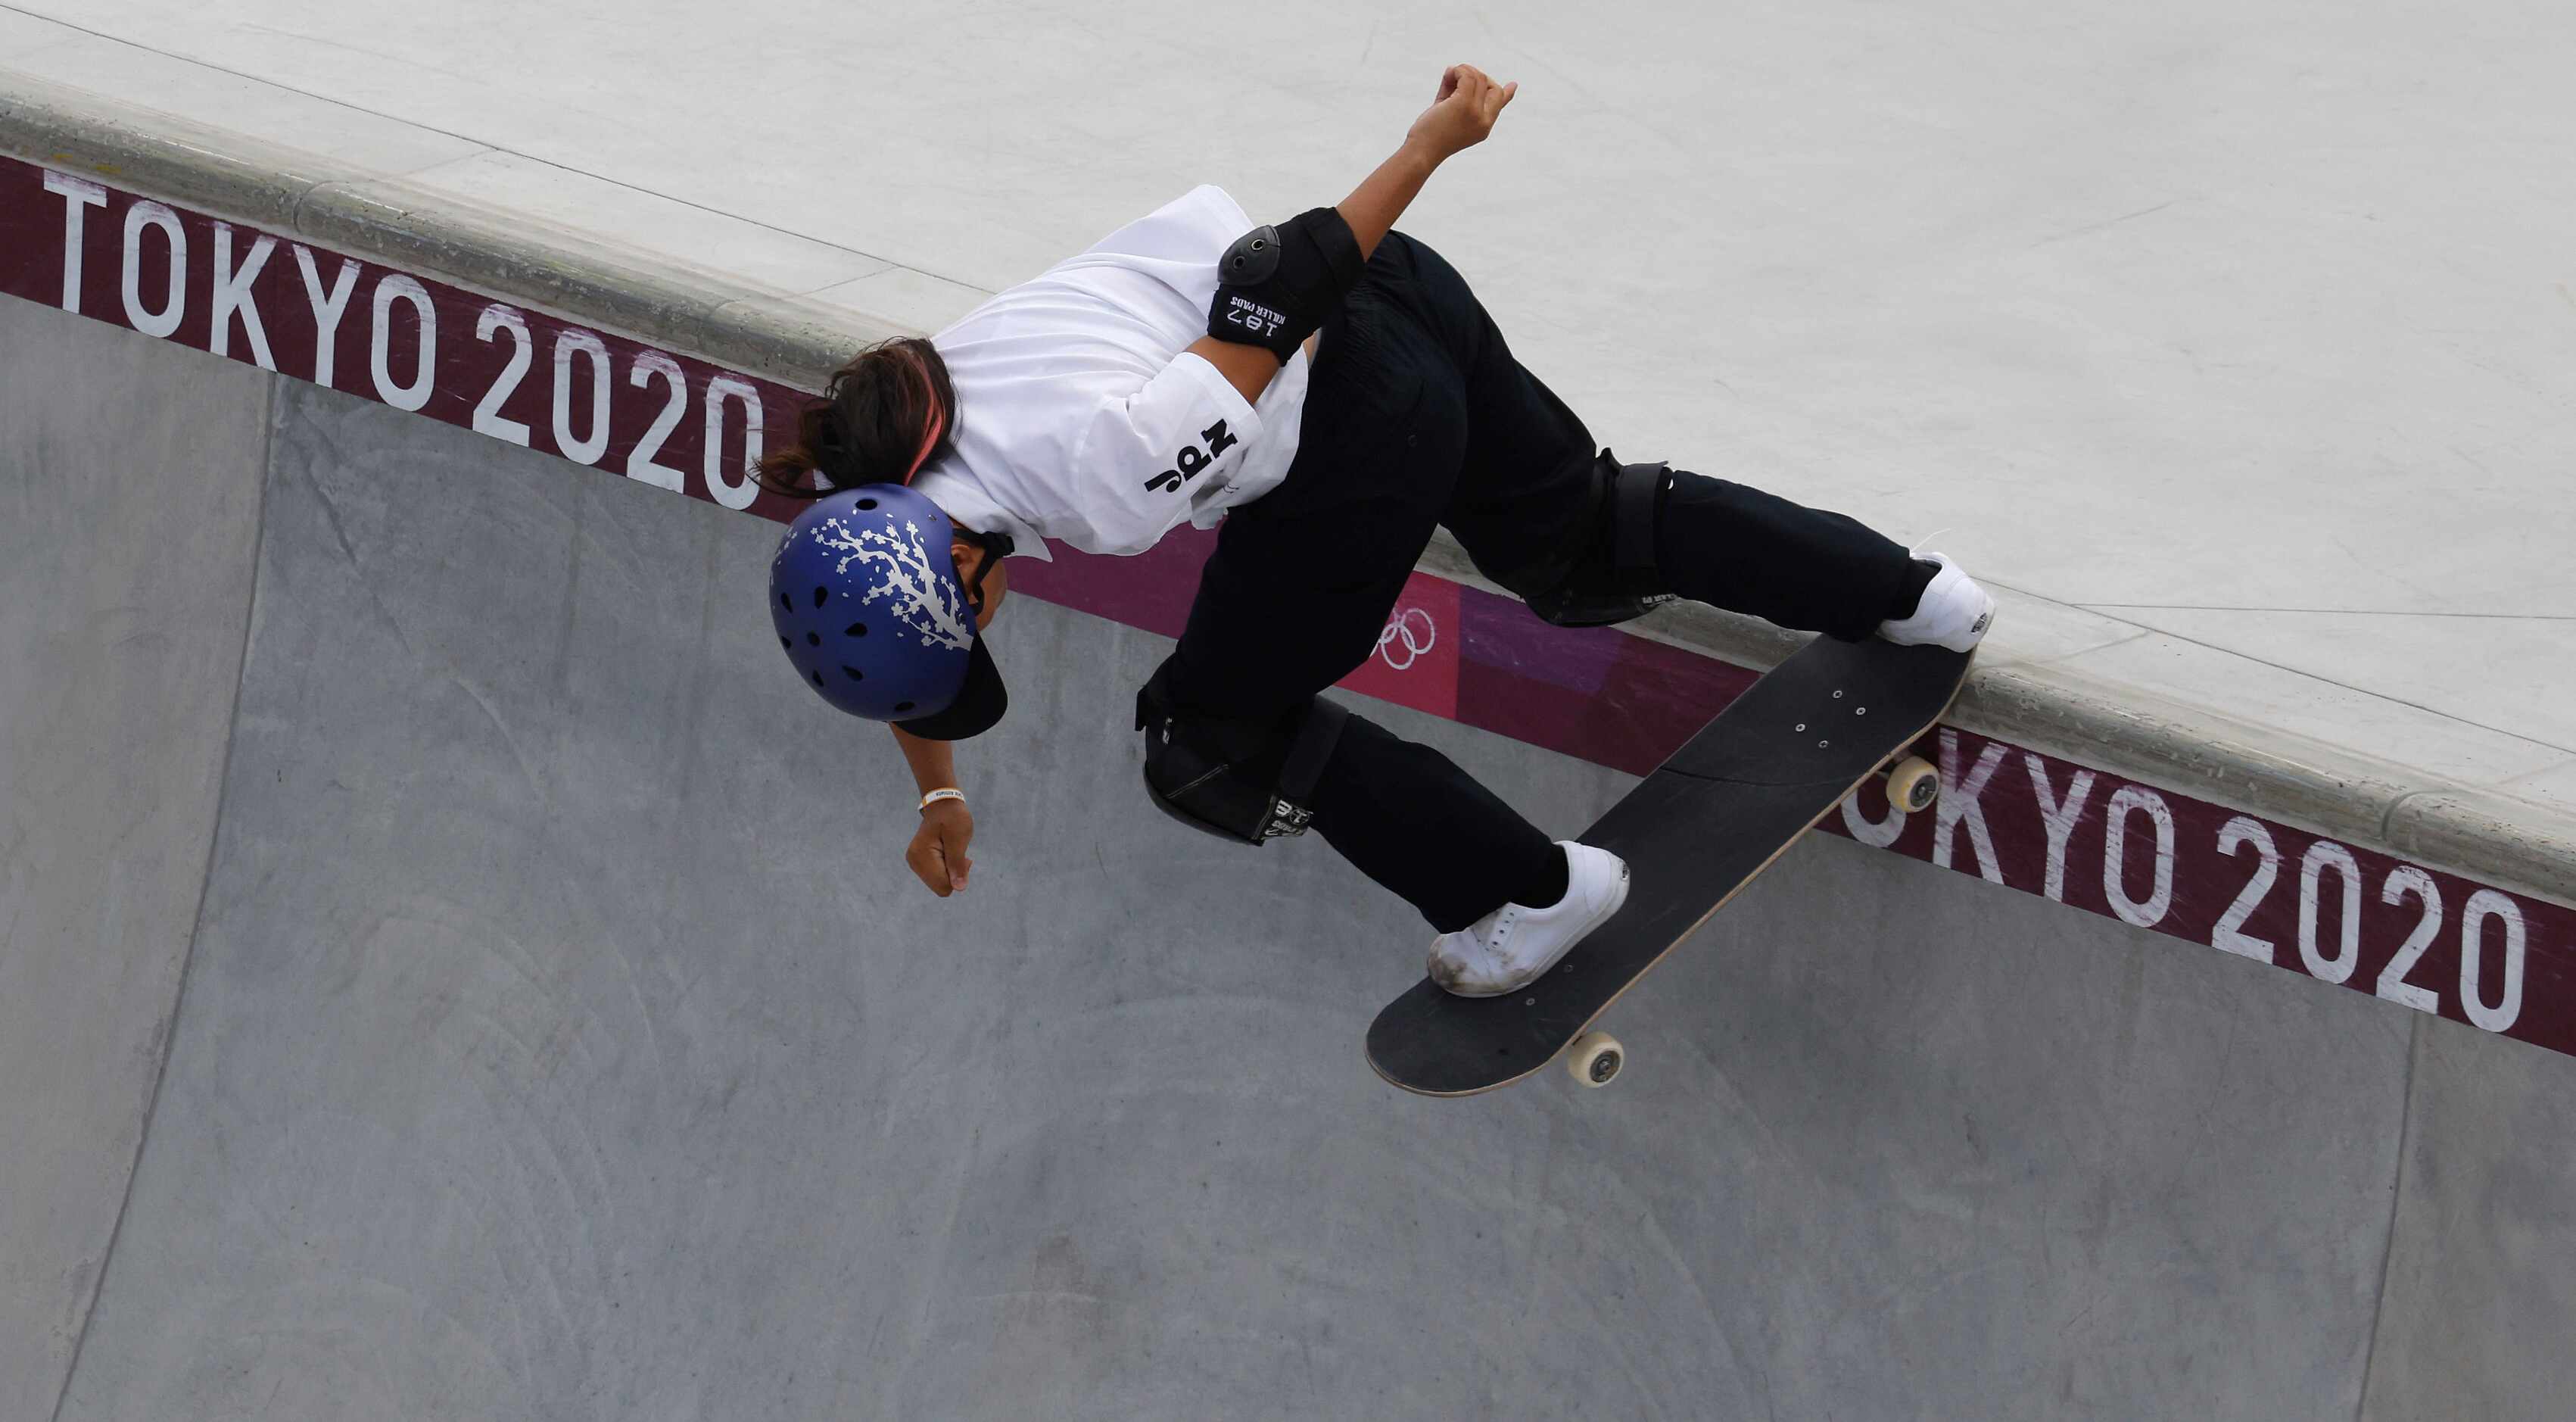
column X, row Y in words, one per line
column 1913, row 785
column 1595, row 1058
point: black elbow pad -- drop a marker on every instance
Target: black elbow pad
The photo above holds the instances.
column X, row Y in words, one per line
column 1275, row 285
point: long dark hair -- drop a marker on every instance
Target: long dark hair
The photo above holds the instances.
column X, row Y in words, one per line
column 882, row 417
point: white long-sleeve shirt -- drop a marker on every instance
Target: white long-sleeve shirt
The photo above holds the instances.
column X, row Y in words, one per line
column 1080, row 415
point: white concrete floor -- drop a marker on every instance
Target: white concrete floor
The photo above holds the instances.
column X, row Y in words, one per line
column 2244, row 332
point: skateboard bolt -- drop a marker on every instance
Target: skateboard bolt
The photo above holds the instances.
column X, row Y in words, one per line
column 1838, row 696
column 1860, row 710
column 1802, row 725
column 1820, row 745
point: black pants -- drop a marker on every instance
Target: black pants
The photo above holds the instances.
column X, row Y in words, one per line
column 1417, row 416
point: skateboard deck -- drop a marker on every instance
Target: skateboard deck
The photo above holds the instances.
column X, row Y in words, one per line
column 1697, row 830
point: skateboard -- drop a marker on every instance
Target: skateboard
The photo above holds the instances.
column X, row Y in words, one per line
column 1697, row 830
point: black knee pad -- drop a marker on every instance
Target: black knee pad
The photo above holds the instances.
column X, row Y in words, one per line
column 1613, row 577
column 1251, row 782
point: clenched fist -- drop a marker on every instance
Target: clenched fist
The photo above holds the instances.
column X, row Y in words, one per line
column 1462, row 114
column 938, row 852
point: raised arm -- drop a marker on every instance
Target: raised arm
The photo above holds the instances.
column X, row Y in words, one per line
column 1460, row 116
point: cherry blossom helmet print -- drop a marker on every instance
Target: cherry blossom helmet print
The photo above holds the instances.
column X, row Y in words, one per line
column 866, row 599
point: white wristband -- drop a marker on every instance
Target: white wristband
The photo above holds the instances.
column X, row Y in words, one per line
column 945, row 792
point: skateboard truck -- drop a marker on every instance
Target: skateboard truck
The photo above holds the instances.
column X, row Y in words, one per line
column 1913, row 783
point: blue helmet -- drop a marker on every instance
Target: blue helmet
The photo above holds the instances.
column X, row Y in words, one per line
column 868, row 605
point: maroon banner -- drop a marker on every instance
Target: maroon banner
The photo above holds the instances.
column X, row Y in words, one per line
column 418, row 345
column 2209, row 875
column 2152, row 858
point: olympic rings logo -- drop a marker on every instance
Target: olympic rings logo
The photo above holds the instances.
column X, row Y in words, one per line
column 1401, row 632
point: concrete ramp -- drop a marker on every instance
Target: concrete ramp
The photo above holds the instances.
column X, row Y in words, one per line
column 450, row 969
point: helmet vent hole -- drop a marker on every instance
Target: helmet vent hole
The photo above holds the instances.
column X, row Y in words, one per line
column 821, row 596
column 813, row 639
column 867, row 503
column 854, row 674
column 785, row 644
column 818, row 679
column 855, row 629
column 787, row 602
column 903, row 705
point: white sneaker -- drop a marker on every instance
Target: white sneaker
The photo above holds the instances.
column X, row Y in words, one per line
column 1509, row 948
column 1954, row 612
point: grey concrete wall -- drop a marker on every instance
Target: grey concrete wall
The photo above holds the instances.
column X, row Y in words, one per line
column 2479, row 1313
column 565, row 1040
column 129, row 502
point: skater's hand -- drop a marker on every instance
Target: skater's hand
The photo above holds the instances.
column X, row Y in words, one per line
column 938, row 852
column 1462, row 115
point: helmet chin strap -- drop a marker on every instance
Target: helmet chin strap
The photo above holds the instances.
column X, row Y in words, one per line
column 996, row 546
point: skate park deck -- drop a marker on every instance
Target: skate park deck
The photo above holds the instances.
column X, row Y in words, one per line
column 453, row 974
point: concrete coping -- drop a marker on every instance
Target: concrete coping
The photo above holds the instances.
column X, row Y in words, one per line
column 2021, row 696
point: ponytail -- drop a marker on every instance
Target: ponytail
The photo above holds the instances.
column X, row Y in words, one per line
column 881, row 418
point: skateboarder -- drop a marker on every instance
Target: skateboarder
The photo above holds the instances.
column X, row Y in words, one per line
column 1331, row 389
